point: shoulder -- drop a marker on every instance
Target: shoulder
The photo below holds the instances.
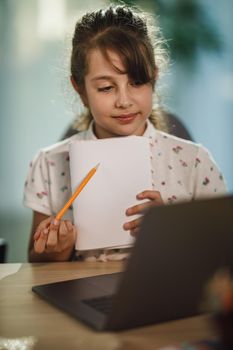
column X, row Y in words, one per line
column 176, row 144
column 61, row 147
column 179, row 151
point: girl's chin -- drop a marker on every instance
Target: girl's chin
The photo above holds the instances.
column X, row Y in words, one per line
column 120, row 130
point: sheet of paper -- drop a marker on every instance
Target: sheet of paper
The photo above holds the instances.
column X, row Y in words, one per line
column 9, row 269
column 124, row 171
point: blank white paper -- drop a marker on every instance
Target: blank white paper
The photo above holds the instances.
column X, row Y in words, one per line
column 124, row 171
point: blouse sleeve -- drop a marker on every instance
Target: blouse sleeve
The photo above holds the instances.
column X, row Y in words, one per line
column 37, row 188
column 209, row 180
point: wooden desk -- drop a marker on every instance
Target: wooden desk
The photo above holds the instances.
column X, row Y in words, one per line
column 22, row 313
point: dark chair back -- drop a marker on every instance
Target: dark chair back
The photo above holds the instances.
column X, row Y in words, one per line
column 176, row 127
column 3, row 250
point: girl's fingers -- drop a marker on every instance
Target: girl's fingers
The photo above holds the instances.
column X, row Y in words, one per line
column 72, row 229
column 67, row 234
column 138, row 209
column 154, row 199
column 40, row 243
column 69, row 225
column 152, row 195
column 75, row 232
column 134, row 232
column 132, row 225
column 63, row 232
column 43, row 225
column 55, row 236
column 52, row 240
column 36, row 235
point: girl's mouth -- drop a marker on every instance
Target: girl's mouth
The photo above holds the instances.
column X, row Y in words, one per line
column 126, row 118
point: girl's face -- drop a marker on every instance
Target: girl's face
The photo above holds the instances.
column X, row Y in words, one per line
column 120, row 107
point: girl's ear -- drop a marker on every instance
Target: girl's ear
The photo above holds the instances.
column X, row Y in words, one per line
column 78, row 90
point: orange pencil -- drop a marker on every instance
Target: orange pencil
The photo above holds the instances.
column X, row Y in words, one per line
column 77, row 191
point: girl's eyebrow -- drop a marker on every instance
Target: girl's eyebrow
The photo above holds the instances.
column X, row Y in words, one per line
column 102, row 77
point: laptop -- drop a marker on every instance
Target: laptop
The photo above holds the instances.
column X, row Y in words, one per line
column 179, row 247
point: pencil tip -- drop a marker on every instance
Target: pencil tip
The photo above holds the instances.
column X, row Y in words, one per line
column 97, row 166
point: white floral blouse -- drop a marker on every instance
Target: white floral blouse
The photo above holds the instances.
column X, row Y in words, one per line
column 181, row 171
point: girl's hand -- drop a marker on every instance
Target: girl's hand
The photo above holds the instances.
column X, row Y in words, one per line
column 53, row 236
column 155, row 199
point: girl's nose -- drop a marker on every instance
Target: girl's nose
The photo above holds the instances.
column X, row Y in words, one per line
column 123, row 99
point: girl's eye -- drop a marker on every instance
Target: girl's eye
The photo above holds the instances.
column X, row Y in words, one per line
column 136, row 83
column 105, row 88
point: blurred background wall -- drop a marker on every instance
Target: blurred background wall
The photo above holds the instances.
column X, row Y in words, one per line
column 37, row 103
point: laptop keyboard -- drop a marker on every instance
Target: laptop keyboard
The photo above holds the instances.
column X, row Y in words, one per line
column 102, row 304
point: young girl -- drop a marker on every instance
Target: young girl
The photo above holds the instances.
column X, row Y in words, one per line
column 114, row 69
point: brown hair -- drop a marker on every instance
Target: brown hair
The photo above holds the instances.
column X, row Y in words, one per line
column 125, row 31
